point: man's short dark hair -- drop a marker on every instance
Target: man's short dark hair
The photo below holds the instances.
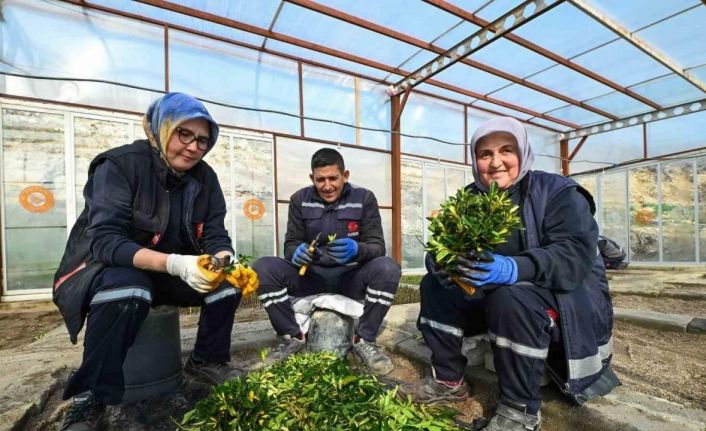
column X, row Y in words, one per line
column 327, row 157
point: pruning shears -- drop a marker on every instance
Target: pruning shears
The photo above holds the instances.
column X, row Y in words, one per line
column 222, row 262
column 310, row 249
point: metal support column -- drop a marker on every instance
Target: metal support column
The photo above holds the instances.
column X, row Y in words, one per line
column 395, row 144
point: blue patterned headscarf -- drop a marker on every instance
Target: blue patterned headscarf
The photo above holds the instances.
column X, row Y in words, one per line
column 507, row 125
column 166, row 114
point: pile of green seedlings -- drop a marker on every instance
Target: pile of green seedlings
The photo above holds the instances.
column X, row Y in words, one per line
column 312, row 392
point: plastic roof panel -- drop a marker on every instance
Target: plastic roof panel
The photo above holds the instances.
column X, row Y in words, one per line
column 183, row 20
column 566, row 31
column 502, row 109
column 320, row 29
column 258, row 13
column 622, row 62
column 577, row 115
column 324, row 59
column 682, row 38
column 497, row 8
column 619, row 104
column 455, row 34
column 570, row 83
column 528, row 98
column 512, row 58
column 471, row 78
column 445, row 93
column 669, row 90
column 398, row 15
column 550, row 124
column 633, row 15
column 419, row 59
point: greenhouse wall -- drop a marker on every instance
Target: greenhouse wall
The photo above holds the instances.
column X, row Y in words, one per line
column 656, row 210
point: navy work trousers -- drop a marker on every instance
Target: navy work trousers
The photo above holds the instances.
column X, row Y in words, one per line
column 375, row 282
column 119, row 300
column 519, row 320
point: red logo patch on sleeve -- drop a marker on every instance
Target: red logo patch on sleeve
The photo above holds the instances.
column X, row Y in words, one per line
column 352, row 226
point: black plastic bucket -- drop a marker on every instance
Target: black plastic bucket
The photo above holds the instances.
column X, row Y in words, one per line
column 153, row 363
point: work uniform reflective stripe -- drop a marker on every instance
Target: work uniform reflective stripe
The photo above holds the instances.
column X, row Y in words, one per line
column 122, row 293
column 457, row 332
column 518, row 348
column 369, row 298
column 350, row 205
column 217, row 296
column 279, row 296
column 312, row 204
column 580, row 368
column 380, row 293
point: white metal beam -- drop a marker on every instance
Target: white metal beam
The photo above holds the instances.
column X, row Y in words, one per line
column 648, row 117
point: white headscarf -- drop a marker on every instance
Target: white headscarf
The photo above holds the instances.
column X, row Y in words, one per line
column 507, row 125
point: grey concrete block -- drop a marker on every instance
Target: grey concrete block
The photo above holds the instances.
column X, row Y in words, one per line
column 654, row 319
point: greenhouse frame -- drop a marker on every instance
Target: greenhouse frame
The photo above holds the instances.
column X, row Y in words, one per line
column 611, row 93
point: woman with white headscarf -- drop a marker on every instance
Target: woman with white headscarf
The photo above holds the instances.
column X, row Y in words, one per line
column 542, row 300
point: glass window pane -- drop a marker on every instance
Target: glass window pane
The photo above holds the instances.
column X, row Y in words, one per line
column 219, row 158
column 678, row 227
column 80, row 43
column 676, row 134
column 282, row 216
column 613, row 195
column 92, row 137
column 374, row 113
column 644, row 220
column 253, row 197
column 455, row 179
column 294, row 167
column 329, row 96
column 34, row 186
column 701, row 184
column 413, row 232
column 425, row 116
column 545, row 147
column 386, row 221
column 605, row 149
column 239, row 76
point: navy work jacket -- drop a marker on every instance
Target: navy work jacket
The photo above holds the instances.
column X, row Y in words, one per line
column 135, row 215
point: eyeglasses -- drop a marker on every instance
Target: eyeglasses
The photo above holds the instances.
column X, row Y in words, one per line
column 186, row 137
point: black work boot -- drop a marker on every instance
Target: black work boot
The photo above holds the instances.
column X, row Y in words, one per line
column 512, row 416
column 372, row 356
column 287, row 345
column 432, row 391
column 84, row 414
column 215, row 373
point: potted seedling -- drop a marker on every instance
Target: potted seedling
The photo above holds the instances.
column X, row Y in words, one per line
column 469, row 224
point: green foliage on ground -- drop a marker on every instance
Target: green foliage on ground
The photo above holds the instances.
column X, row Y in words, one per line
column 311, row 392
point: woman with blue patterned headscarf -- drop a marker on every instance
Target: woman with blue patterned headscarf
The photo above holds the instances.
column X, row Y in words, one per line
column 152, row 207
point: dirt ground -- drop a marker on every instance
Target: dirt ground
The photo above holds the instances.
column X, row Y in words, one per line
column 669, row 365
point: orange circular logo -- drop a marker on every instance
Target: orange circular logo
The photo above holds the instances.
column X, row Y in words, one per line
column 644, row 217
column 254, row 209
column 36, row 199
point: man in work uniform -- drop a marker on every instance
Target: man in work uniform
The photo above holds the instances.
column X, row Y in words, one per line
column 151, row 207
column 353, row 264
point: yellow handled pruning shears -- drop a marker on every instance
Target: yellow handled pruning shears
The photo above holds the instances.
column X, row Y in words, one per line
column 310, row 249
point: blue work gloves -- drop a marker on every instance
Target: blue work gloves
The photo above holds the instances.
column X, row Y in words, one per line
column 502, row 270
column 342, row 250
column 301, row 255
column 437, row 272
